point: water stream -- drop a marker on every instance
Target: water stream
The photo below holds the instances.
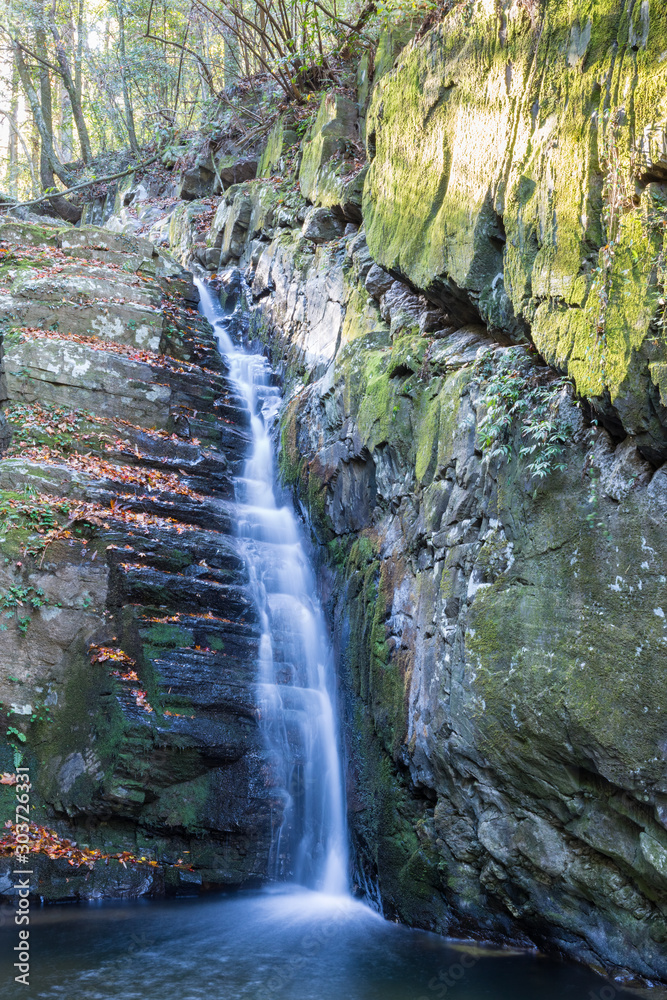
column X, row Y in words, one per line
column 289, row 945
column 296, row 674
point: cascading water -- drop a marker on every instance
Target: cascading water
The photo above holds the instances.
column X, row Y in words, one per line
column 295, row 683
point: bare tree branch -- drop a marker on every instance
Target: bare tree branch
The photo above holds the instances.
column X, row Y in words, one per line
column 85, row 184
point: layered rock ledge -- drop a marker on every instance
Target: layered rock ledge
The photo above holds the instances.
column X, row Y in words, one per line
column 129, row 634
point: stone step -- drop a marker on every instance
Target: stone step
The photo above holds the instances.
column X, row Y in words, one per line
column 207, row 680
column 237, row 641
column 135, row 584
column 208, row 513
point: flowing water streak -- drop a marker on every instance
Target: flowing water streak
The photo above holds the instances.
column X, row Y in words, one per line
column 295, row 683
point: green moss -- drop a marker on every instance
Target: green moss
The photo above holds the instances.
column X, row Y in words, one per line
column 527, row 687
column 290, row 462
column 28, row 234
column 338, row 551
column 494, row 180
column 427, row 425
column 182, row 806
column 408, row 875
column 362, row 316
column 87, row 714
column 165, row 636
column 378, row 675
column 408, row 350
column 281, row 138
column 394, row 38
column 316, row 498
column 323, row 170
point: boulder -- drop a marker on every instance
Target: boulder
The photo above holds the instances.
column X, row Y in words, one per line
column 328, row 176
column 322, row 226
column 233, row 170
column 197, row 182
column 378, row 281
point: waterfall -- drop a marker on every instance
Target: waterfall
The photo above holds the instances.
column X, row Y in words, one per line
column 295, row 683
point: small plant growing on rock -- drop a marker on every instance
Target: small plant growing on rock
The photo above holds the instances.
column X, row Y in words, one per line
column 516, row 392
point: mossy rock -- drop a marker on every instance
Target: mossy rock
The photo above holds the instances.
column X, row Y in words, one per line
column 489, row 188
column 282, row 138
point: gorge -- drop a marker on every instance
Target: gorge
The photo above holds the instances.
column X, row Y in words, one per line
column 428, row 319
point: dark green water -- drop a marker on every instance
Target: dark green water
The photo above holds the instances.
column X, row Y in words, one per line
column 293, row 945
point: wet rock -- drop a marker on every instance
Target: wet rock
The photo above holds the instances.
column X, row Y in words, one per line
column 479, row 619
column 142, row 638
column 377, row 281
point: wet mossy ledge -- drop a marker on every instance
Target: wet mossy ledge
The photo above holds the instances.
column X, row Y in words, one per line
column 128, row 637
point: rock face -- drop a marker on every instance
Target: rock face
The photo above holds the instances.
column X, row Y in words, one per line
column 493, row 557
column 214, row 173
column 518, row 174
column 500, row 638
column 326, row 177
column 282, row 138
column 130, row 637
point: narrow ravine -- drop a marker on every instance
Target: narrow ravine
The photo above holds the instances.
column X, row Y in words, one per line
column 333, row 491
column 296, row 673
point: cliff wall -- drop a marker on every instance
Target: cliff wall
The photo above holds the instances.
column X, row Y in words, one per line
column 475, row 430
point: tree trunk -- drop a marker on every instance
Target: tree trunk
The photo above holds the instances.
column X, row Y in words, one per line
column 129, row 113
column 13, row 165
column 49, row 164
column 35, row 144
column 46, row 167
column 65, row 145
column 44, row 130
column 70, row 86
column 78, row 53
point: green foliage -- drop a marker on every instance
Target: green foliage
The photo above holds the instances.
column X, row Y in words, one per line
column 136, row 75
column 517, row 394
column 28, row 510
column 18, row 596
column 41, row 712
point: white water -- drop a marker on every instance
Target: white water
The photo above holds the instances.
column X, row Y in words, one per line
column 296, row 676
